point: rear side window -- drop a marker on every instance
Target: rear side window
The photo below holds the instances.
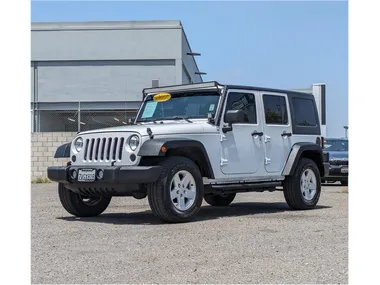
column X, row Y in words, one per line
column 304, row 112
column 275, row 110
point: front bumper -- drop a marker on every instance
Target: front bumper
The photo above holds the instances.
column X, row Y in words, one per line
column 337, row 173
column 326, row 168
column 111, row 174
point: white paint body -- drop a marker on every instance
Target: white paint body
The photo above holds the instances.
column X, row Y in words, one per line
column 236, row 156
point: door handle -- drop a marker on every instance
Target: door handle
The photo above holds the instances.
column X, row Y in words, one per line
column 286, row 134
column 257, row 134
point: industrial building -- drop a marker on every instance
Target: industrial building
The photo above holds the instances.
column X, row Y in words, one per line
column 90, row 75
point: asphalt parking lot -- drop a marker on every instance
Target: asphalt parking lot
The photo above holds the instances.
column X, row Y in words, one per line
column 257, row 239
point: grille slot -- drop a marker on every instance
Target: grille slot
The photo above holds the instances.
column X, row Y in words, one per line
column 120, row 149
column 109, row 142
column 114, row 148
column 97, row 149
column 103, row 149
column 91, row 148
column 338, row 162
column 86, row 149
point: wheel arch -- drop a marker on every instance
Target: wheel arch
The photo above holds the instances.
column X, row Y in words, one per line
column 157, row 149
column 63, row 151
column 304, row 150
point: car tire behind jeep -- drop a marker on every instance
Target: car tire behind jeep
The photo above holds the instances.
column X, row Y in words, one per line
column 82, row 206
column 219, row 200
column 303, row 188
column 177, row 195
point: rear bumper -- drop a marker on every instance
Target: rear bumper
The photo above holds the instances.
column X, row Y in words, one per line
column 111, row 174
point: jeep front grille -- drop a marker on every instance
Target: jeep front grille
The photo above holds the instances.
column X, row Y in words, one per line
column 338, row 162
column 103, row 149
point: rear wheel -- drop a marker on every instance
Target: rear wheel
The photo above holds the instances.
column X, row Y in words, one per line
column 177, row 195
column 82, row 206
column 303, row 188
column 219, row 200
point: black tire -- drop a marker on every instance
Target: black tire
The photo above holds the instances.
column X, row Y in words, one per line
column 159, row 197
column 218, row 200
column 292, row 186
column 344, row 182
column 77, row 205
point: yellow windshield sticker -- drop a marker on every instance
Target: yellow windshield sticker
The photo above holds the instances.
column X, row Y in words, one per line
column 162, row 97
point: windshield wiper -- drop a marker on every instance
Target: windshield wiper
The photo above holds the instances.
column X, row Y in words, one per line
column 181, row 118
column 147, row 120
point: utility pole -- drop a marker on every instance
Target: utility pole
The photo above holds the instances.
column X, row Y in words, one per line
column 79, row 119
column 345, row 130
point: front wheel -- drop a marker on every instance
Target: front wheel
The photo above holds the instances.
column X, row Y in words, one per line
column 344, row 182
column 82, row 206
column 177, row 195
column 303, row 188
column 219, row 200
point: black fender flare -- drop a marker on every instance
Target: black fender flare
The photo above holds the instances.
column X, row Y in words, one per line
column 160, row 147
column 304, row 149
column 63, row 151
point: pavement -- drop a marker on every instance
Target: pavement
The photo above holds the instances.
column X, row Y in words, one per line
column 257, row 239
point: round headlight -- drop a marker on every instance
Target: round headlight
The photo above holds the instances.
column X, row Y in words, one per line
column 134, row 142
column 78, row 144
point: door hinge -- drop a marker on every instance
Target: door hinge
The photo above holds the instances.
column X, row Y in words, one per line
column 267, row 160
column 223, row 161
column 267, row 138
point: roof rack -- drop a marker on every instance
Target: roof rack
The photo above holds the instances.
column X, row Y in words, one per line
column 184, row 87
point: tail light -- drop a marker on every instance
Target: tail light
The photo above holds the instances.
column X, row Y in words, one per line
column 321, row 142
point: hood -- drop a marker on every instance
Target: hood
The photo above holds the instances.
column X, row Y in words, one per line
column 338, row 155
column 180, row 127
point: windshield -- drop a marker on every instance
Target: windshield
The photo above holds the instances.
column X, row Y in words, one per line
column 179, row 106
column 336, row 145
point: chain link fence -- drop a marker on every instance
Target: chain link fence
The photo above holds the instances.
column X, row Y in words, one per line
column 79, row 120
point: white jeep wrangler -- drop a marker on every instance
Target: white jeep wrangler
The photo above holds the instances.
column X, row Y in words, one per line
column 190, row 142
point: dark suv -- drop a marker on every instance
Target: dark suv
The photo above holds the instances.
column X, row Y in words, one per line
column 336, row 152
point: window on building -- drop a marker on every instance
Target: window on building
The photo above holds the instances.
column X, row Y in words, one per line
column 275, row 110
column 246, row 103
column 84, row 120
column 304, row 112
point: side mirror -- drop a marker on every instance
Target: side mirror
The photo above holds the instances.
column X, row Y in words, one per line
column 232, row 117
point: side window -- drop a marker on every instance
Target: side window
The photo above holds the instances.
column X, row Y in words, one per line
column 275, row 110
column 304, row 112
column 245, row 102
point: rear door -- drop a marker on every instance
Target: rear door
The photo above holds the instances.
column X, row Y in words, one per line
column 277, row 130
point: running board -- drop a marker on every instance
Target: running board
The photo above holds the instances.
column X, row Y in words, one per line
column 244, row 187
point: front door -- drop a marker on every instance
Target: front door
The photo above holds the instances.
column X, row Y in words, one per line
column 242, row 150
column 277, row 130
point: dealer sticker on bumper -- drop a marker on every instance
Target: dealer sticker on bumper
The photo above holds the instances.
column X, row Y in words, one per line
column 344, row 170
column 86, row 175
